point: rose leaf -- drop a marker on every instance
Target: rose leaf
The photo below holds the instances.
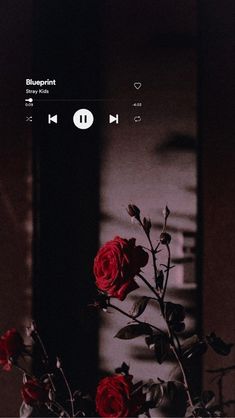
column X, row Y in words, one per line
column 132, row 331
column 218, row 345
column 140, row 306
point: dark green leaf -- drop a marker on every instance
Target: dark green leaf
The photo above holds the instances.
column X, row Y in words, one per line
column 171, row 390
column 160, row 280
column 161, row 346
column 133, row 331
column 189, row 342
column 175, row 393
column 139, row 306
column 218, row 345
column 195, row 350
column 177, row 326
column 124, row 369
column 162, row 349
column 174, row 312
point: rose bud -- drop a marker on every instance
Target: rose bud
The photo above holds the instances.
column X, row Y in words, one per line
column 147, row 225
column 34, row 392
column 166, row 212
column 115, row 266
column 116, row 397
column 58, row 363
column 165, row 238
column 11, row 346
column 133, row 211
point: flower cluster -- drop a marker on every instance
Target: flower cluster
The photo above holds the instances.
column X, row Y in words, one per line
column 118, row 266
column 39, row 393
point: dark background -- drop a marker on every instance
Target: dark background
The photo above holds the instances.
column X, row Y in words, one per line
column 46, row 38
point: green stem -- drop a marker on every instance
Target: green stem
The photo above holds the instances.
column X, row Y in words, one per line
column 167, row 271
column 152, row 249
column 184, row 376
column 148, row 285
column 59, row 407
column 71, row 399
column 37, row 335
column 133, row 318
column 172, row 336
column 177, row 355
column 22, row 370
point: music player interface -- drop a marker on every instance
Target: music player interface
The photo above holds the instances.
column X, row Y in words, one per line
column 39, row 93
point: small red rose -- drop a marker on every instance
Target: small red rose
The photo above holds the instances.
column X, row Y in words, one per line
column 116, row 397
column 34, row 392
column 11, row 346
column 116, row 264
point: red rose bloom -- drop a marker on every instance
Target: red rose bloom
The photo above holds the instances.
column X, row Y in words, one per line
column 114, row 397
column 11, row 346
column 34, row 392
column 116, row 264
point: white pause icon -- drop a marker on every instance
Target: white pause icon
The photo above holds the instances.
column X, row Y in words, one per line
column 83, row 119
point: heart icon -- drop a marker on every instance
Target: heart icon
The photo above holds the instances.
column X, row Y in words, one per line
column 137, row 85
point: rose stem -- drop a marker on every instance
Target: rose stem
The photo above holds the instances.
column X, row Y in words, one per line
column 46, row 357
column 161, row 303
column 167, row 270
column 59, row 407
column 69, row 390
column 184, row 376
column 132, row 317
column 152, row 249
column 22, row 370
column 149, row 285
column 37, row 335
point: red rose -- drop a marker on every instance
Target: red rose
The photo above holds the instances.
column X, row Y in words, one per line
column 11, row 346
column 34, row 392
column 115, row 397
column 116, row 264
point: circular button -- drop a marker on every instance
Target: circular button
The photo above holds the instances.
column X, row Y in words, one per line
column 83, row 119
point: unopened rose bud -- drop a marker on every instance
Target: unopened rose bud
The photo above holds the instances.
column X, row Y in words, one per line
column 58, row 363
column 165, row 238
column 133, row 211
column 51, row 395
column 147, row 225
column 166, row 212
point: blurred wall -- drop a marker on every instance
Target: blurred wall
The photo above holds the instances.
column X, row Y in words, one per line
column 15, row 186
column 217, row 186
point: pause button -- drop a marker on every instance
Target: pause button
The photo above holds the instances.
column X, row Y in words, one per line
column 83, row 119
